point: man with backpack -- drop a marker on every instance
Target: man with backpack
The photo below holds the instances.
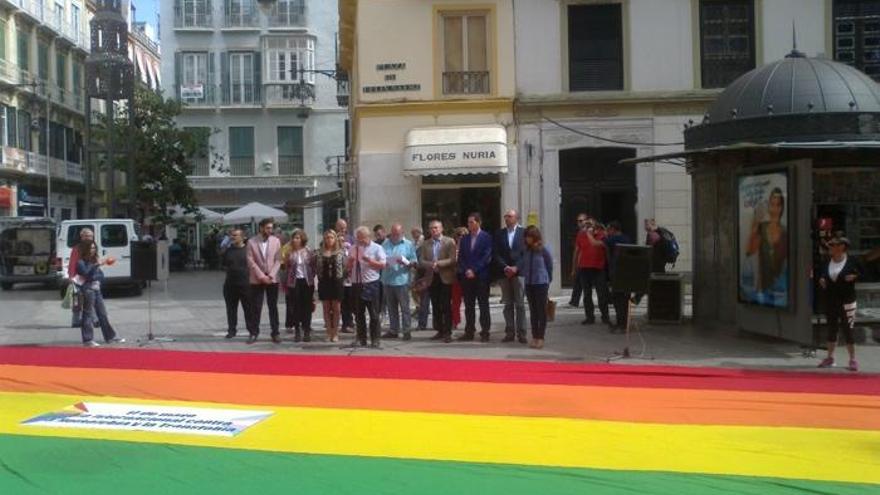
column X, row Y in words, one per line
column 664, row 246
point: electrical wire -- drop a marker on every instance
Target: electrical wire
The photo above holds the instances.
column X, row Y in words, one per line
column 616, row 141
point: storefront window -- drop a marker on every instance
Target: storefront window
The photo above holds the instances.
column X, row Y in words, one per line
column 451, row 199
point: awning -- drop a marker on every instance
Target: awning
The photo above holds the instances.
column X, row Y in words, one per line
column 455, row 150
column 811, row 145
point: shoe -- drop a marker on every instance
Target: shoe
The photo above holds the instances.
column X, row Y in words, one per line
column 289, row 330
column 588, row 321
column 447, row 339
column 853, row 365
column 334, row 338
column 606, row 320
column 437, row 336
column 375, row 345
column 539, row 343
column 468, row 337
column 276, row 339
column 389, row 335
column 484, row 337
column 251, row 339
column 307, row 336
column 407, row 336
column 91, row 343
column 573, row 305
column 347, row 330
column 522, row 339
column 297, row 335
column 230, row 334
column 508, row 338
column 116, row 340
column 421, row 327
column 362, row 343
column 827, row 362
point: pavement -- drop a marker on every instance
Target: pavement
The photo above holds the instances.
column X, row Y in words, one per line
column 190, row 316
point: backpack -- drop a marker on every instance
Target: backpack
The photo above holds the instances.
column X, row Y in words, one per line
column 670, row 245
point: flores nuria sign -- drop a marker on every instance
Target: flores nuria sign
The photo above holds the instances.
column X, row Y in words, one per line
column 480, row 155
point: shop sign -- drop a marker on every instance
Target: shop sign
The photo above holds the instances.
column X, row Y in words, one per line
column 196, row 91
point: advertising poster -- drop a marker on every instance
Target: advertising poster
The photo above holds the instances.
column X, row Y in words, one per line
column 763, row 239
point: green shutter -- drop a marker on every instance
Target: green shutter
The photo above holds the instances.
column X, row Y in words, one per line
column 11, row 127
column 61, row 70
column 210, row 91
column 178, row 67
column 290, row 142
column 23, row 59
column 2, row 39
column 43, row 61
column 241, row 142
column 224, row 77
column 258, row 83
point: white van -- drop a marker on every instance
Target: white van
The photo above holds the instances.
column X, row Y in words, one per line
column 113, row 236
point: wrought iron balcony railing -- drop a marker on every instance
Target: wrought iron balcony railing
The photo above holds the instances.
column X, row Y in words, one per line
column 466, row 83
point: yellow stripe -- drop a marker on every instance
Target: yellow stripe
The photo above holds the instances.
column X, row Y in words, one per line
column 801, row 453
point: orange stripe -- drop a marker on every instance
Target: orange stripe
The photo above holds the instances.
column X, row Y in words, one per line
column 645, row 405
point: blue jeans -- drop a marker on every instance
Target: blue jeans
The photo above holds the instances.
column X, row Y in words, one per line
column 397, row 304
column 94, row 309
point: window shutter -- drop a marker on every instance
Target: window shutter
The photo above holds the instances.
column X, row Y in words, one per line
column 11, row 127
column 178, row 67
column 258, row 80
column 212, row 79
column 2, row 39
column 225, row 81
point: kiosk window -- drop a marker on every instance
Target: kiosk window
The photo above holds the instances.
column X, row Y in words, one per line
column 73, row 233
column 114, row 236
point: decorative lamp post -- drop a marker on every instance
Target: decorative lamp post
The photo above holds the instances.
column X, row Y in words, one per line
column 110, row 78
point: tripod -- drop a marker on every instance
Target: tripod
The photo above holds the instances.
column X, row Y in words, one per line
column 625, row 353
column 151, row 339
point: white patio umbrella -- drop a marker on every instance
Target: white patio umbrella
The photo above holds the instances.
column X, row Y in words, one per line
column 252, row 213
column 207, row 215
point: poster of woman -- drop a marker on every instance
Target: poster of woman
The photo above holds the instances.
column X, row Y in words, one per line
column 763, row 239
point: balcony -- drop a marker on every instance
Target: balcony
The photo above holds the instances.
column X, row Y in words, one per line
column 33, row 8
column 12, row 74
column 240, row 95
column 190, row 19
column 343, row 89
column 242, row 20
column 197, row 95
column 297, row 94
column 201, row 166
column 27, row 162
column 239, row 167
column 237, row 183
column 290, row 165
column 466, row 83
column 289, row 14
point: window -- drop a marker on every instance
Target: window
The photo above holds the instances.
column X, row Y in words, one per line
column 76, row 70
column 465, row 54
column 201, row 156
column 74, row 21
column 23, row 51
column 43, row 60
column 2, row 39
column 193, row 13
column 240, row 13
column 595, row 47
column 11, row 126
column 73, row 233
column 58, row 15
column 290, row 151
column 241, row 150
column 24, row 130
column 288, row 13
column 61, row 70
column 727, row 40
column 857, row 35
column 194, row 72
column 241, row 77
column 287, row 56
column 114, row 235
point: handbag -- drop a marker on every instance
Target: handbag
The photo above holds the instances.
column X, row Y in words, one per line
column 551, row 310
column 67, row 301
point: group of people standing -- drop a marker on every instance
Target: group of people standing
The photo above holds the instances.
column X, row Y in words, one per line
column 359, row 279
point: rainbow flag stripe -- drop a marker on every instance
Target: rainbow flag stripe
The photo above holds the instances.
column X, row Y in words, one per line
column 413, row 425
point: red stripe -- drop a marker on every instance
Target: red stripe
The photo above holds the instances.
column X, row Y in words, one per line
column 463, row 370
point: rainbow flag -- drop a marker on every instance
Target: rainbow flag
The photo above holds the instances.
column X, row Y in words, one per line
column 133, row 421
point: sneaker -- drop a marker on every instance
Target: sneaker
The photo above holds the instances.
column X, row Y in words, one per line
column 91, row 343
column 827, row 362
column 116, row 340
column 853, row 365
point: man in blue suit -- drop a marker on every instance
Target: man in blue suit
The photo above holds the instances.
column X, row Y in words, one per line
column 474, row 260
column 509, row 248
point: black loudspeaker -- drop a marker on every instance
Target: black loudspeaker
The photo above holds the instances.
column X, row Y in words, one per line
column 665, row 298
column 143, row 261
column 632, row 268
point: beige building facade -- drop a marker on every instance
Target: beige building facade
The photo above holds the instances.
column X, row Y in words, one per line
column 432, row 124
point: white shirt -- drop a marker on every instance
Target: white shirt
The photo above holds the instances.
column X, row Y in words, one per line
column 363, row 272
column 510, row 235
column 300, row 267
column 834, row 268
column 264, row 248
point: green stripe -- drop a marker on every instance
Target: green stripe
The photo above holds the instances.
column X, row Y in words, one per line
column 57, row 465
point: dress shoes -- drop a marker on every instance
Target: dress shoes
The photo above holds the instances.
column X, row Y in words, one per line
column 588, row 321
column 468, row 337
column 437, row 336
column 522, row 339
column 508, row 338
column 389, row 335
column 251, row 339
column 276, row 339
column 484, row 338
column 407, row 336
column 375, row 345
column 230, row 335
column 447, row 339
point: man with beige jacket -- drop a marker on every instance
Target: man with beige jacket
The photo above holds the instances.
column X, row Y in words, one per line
column 438, row 257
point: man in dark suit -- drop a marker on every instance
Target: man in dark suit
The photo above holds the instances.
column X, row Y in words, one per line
column 437, row 258
column 474, row 260
column 509, row 248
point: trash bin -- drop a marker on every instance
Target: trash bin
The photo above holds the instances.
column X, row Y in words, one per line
column 665, row 298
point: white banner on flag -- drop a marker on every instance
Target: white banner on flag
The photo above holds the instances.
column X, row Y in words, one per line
column 143, row 417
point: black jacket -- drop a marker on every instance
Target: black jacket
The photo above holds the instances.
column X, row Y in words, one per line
column 840, row 291
column 505, row 255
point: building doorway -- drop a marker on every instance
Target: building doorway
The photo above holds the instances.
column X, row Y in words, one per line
column 451, row 199
column 593, row 181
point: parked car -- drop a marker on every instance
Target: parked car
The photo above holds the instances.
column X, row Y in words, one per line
column 113, row 237
column 28, row 252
